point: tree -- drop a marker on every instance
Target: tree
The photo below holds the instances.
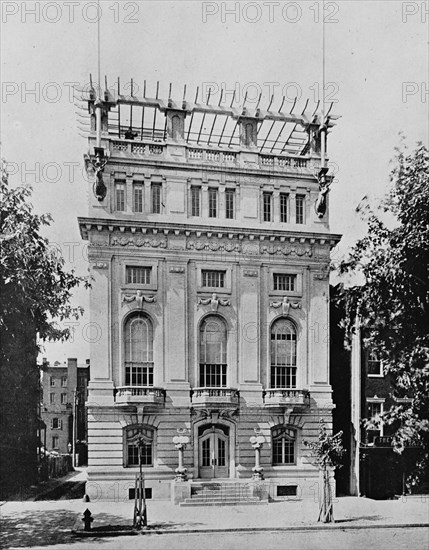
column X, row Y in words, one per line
column 328, row 451
column 35, row 294
column 392, row 302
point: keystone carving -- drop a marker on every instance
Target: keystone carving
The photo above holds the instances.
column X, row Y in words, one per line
column 285, row 304
column 214, row 302
column 139, row 298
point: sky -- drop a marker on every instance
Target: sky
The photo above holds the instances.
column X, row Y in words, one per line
column 376, row 75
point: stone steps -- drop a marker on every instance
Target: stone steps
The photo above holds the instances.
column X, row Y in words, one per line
column 222, row 494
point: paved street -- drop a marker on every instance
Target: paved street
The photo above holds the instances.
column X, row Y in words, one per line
column 380, row 539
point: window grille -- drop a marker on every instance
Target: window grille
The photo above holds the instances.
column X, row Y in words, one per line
column 195, row 201
column 138, row 275
column 229, row 203
column 299, row 204
column 212, row 203
column 267, row 206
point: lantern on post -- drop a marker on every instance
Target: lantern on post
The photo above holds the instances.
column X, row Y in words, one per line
column 180, row 442
column 257, row 442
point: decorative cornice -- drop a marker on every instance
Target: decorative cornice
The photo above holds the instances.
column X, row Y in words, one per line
column 124, row 231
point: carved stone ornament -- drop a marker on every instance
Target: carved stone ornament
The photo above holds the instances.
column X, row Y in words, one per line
column 213, row 246
column 214, row 302
column 285, row 250
column 139, row 298
column 139, row 241
column 100, row 265
column 285, row 304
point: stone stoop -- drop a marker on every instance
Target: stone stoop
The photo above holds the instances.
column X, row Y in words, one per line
column 223, row 493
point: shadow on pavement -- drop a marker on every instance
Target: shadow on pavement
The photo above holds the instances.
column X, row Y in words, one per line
column 40, row 528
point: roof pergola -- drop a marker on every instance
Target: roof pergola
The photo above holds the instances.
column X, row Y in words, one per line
column 208, row 125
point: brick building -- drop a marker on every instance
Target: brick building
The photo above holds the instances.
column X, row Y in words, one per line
column 209, row 297
column 64, row 393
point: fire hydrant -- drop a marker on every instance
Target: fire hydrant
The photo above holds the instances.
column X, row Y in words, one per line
column 87, row 519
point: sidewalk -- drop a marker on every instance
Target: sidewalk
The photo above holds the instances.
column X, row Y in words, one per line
column 51, row 522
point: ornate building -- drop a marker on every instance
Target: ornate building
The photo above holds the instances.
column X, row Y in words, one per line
column 208, row 245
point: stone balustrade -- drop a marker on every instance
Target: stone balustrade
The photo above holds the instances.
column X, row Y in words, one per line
column 139, row 394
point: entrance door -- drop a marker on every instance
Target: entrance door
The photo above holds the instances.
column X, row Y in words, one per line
column 214, row 453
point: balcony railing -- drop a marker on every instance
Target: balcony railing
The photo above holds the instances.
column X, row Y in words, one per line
column 279, row 397
column 139, row 394
column 214, row 396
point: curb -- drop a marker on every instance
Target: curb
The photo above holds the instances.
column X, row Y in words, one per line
column 99, row 533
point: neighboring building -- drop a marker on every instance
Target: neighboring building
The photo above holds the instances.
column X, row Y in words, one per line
column 64, row 394
column 209, row 303
column 362, row 393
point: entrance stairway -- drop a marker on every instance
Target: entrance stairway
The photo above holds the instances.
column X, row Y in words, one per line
column 223, row 493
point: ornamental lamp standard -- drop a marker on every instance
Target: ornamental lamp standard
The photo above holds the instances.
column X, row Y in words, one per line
column 257, row 442
column 180, row 442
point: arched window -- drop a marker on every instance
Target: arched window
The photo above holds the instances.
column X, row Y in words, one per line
column 132, row 436
column 138, row 351
column 213, row 347
column 284, row 445
column 175, row 127
column 283, row 354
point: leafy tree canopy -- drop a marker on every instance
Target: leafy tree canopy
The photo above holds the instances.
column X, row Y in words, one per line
column 392, row 303
column 35, row 288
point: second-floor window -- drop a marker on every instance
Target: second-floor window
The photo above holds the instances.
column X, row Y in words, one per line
column 284, row 282
column 138, row 351
column 51, row 381
column 284, row 202
column 229, row 203
column 212, row 202
column 267, row 199
column 195, row 201
column 64, row 381
column 120, row 196
column 138, row 275
column 375, row 411
column 52, row 398
column 213, row 352
column 138, row 197
column 212, row 278
column 156, row 198
column 63, row 398
column 283, row 354
column 300, row 212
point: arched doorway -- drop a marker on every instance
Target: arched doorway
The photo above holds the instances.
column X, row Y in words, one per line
column 213, row 451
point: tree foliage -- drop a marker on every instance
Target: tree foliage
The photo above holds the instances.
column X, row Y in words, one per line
column 33, row 280
column 392, row 303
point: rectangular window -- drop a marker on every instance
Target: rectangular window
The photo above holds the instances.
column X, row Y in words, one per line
column 120, row 196
column 55, row 442
column 137, row 374
column 56, row 424
column 300, row 213
column 374, row 365
column 63, row 381
column 284, row 200
column 137, row 275
column 284, row 282
column 156, row 198
column 133, row 455
column 267, row 206
column 138, row 197
column 195, row 201
column 63, row 398
column 52, row 381
column 283, row 377
column 212, row 376
column 212, row 203
column 213, row 279
column 375, row 410
column 52, row 398
column 229, row 204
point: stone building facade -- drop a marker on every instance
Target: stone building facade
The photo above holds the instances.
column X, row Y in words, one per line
column 209, row 301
